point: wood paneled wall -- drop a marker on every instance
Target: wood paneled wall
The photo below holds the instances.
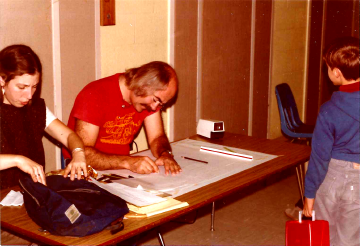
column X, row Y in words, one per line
column 314, row 62
column 185, row 63
column 262, row 37
column 221, row 36
column 341, row 19
column 339, row 22
column 225, row 75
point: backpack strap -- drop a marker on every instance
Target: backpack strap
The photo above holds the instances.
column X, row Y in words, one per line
column 116, row 226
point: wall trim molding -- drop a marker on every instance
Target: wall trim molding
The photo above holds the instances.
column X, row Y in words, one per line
column 171, row 59
column 270, row 70
column 55, row 13
column 306, row 60
column 97, row 41
column 199, row 59
column 252, row 64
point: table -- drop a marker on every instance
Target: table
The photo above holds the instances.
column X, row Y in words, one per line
column 15, row 219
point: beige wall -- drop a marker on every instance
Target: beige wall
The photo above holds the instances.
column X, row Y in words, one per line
column 77, row 46
column 139, row 36
column 288, row 56
column 29, row 22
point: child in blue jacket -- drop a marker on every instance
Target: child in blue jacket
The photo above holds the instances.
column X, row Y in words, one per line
column 332, row 179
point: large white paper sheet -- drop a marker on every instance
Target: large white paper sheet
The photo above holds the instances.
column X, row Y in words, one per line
column 194, row 174
column 131, row 195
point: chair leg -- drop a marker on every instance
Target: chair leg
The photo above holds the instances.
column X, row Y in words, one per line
column 160, row 238
column 212, row 217
column 300, row 177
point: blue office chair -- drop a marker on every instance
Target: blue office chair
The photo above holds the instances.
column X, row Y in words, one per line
column 291, row 125
column 63, row 162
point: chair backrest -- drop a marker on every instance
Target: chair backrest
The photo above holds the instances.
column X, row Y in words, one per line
column 63, row 164
column 287, row 106
column 291, row 125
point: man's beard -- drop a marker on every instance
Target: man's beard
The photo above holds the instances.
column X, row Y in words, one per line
column 148, row 108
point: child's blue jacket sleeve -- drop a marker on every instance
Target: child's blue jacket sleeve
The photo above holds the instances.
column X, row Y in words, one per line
column 322, row 142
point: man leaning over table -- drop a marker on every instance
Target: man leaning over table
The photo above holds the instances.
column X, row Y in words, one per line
column 109, row 112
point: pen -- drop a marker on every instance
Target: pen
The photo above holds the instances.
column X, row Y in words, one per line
column 188, row 158
column 228, row 149
column 117, row 176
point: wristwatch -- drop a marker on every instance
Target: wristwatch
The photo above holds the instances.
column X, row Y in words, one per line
column 167, row 151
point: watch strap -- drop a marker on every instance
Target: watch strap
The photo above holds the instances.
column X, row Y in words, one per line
column 167, row 151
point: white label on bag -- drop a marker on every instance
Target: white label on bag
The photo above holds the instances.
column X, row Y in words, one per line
column 72, row 213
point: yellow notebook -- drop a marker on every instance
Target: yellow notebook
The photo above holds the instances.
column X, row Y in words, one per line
column 158, row 208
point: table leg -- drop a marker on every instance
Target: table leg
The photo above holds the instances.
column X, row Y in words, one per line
column 299, row 174
column 212, row 217
column 161, row 239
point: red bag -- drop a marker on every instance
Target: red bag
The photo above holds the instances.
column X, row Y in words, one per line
column 307, row 233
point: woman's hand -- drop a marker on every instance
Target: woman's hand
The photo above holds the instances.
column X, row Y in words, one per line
column 77, row 164
column 71, row 140
column 35, row 170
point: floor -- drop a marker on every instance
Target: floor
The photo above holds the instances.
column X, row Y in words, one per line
column 253, row 216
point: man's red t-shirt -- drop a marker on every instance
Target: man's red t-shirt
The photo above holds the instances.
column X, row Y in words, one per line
column 101, row 103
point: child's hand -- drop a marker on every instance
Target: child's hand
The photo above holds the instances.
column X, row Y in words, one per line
column 308, row 206
column 356, row 165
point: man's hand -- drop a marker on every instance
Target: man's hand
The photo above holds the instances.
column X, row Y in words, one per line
column 167, row 160
column 77, row 164
column 308, row 206
column 159, row 143
column 142, row 165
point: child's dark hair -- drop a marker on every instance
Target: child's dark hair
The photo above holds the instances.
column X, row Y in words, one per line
column 343, row 53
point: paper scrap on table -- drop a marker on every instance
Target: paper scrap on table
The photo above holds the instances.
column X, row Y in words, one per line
column 13, row 198
column 158, row 208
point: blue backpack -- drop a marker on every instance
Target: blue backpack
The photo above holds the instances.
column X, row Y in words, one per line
column 71, row 208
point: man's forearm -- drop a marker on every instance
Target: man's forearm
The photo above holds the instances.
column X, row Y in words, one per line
column 159, row 145
column 103, row 161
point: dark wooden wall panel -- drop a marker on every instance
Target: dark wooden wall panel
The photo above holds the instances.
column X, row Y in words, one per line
column 338, row 23
column 226, row 63
column 261, row 68
column 314, row 63
column 186, row 67
column 342, row 19
column 356, row 16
